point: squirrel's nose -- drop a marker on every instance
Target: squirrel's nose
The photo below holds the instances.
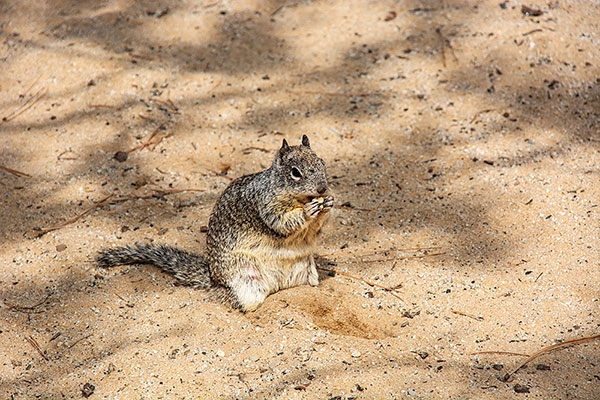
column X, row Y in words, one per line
column 321, row 188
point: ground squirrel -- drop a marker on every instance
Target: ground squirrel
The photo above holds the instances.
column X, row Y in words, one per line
column 261, row 237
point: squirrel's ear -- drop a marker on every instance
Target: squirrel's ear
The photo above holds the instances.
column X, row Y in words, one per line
column 284, row 145
column 305, row 141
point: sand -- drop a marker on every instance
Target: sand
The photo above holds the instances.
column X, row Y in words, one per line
column 462, row 141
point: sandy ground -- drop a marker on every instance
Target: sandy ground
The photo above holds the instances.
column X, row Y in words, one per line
column 462, row 139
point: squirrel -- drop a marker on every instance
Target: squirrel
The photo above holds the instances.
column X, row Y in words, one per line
column 261, row 238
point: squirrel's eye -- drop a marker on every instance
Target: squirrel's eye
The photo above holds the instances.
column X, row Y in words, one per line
column 296, row 174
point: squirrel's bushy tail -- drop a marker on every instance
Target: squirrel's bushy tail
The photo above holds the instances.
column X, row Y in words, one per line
column 189, row 269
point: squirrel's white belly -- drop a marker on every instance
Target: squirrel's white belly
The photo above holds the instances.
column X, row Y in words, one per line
column 280, row 263
column 281, row 267
column 285, row 273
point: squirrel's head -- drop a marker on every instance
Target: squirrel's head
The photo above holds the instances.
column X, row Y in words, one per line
column 301, row 170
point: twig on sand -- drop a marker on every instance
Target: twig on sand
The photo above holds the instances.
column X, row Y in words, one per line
column 390, row 290
column 108, row 106
column 32, row 85
column 11, row 116
column 478, row 113
column 152, row 141
column 537, row 353
column 60, row 156
column 216, row 86
column 109, row 199
column 550, row 348
column 333, row 93
column 507, row 353
column 277, row 10
column 442, row 40
column 445, row 44
column 28, row 309
column 421, row 256
column 14, row 171
column 127, row 302
column 532, row 31
column 43, row 231
column 36, row 346
column 26, row 106
column 395, row 258
column 403, row 258
column 168, row 104
column 79, row 340
column 475, row 317
column 171, row 191
column 375, row 253
column 247, row 150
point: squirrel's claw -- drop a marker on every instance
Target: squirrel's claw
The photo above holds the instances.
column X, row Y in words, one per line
column 328, row 203
column 317, row 205
column 312, row 208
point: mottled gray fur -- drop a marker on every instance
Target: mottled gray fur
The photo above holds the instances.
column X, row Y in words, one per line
column 261, row 237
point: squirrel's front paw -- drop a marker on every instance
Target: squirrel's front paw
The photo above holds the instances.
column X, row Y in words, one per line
column 327, row 203
column 318, row 204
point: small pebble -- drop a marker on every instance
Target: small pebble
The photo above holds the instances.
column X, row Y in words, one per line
column 121, row 156
column 356, row 354
column 220, row 353
column 521, row 388
column 87, row 390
